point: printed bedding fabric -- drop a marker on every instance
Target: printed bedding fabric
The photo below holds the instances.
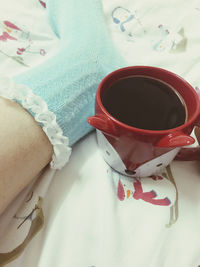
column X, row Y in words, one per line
column 86, row 215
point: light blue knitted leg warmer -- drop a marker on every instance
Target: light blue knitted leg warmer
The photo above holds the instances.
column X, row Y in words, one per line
column 68, row 81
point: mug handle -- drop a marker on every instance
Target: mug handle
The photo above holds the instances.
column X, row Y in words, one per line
column 190, row 153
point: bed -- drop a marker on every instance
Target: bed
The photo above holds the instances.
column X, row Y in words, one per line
column 86, row 215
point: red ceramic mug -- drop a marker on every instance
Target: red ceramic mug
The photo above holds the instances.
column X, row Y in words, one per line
column 140, row 152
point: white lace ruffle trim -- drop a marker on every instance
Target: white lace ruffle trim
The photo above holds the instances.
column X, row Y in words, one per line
column 47, row 119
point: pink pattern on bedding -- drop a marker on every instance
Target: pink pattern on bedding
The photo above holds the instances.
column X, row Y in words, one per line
column 139, row 194
column 148, row 196
column 6, row 36
column 23, row 47
column 42, row 3
column 120, row 191
column 11, row 25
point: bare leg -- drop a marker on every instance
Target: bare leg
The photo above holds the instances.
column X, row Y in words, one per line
column 24, row 150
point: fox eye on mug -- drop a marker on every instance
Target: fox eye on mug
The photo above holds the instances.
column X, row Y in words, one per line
column 129, row 172
column 158, row 165
column 108, row 153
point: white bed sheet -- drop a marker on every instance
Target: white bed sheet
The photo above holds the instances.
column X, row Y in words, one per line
column 97, row 218
column 86, row 223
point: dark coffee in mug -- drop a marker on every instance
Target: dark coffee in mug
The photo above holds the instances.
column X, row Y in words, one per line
column 145, row 103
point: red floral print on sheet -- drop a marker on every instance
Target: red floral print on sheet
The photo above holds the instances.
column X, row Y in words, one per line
column 42, row 3
column 11, row 25
column 28, row 49
column 148, row 196
column 156, row 177
column 8, row 29
column 120, row 191
column 20, row 51
column 6, row 36
column 139, row 194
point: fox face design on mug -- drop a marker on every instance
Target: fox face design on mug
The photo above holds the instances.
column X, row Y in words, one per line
column 153, row 166
column 144, row 116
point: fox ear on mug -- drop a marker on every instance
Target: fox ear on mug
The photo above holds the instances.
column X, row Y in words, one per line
column 103, row 124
